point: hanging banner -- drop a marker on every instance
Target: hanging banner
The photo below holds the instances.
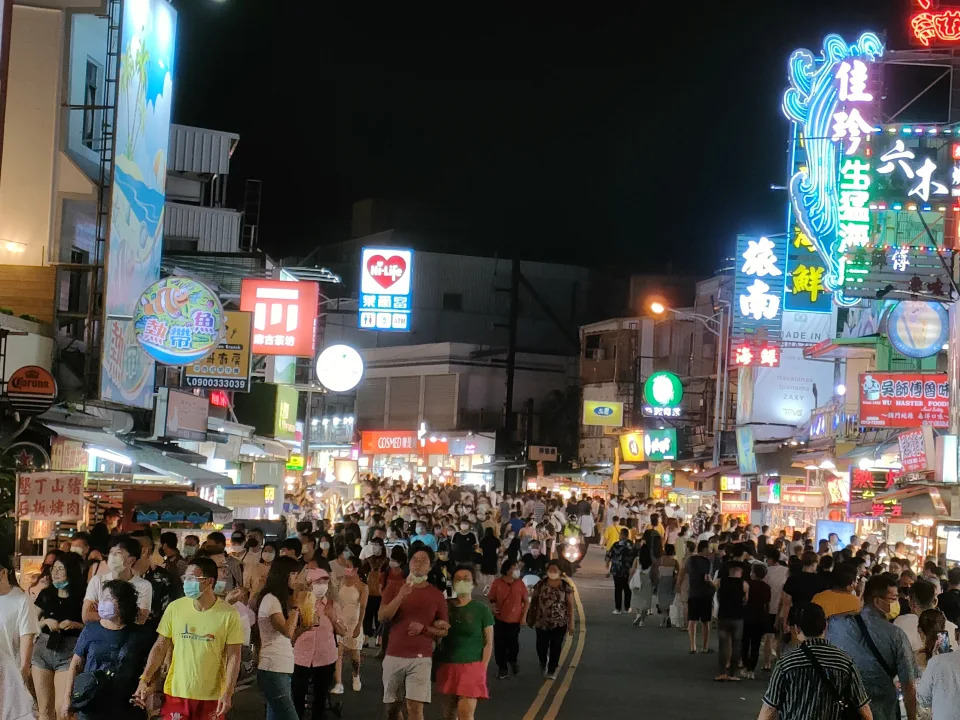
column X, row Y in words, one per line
column 917, row 450
column 50, row 496
column 904, row 400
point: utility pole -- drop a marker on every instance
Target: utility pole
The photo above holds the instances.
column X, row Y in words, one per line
column 509, row 419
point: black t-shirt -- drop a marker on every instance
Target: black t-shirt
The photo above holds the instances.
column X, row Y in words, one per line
column 802, row 587
column 730, row 599
column 949, row 604
column 51, row 606
column 462, row 546
column 534, row 565
column 698, row 567
column 489, row 546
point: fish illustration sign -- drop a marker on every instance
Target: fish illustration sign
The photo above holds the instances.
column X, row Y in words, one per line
column 178, row 320
column 135, row 234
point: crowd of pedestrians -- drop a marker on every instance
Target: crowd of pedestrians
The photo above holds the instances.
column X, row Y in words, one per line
column 434, row 581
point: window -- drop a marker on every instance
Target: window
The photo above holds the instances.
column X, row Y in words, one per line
column 453, row 301
column 91, row 83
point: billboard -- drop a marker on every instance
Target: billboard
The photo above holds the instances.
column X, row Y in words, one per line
column 284, row 315
column 135, row 236
column 228, row 366
column 388, row 442
column 180, row 415
column 785, row 395
column 385, row 281
column 758, row 286
column 603, row 413
column 904, row 399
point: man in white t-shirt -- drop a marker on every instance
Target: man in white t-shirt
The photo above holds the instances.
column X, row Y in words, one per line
column 923, row 596
column 18, row 629
column 123, row 555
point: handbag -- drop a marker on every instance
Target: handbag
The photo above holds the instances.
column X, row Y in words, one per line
column 533, row 610
column 846, row 711
column 89, row 687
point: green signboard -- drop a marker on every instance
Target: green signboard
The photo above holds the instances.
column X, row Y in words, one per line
column 660, row 444
column 662, row 393
column 270, row 408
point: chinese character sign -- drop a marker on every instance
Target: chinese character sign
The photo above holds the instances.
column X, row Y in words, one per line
column 832, row 102
column 917, row 452
column 904, row 399
column 228, row 366
column 660, row 444
column 50, row 496
column 750, row 354
column 284, row 315
column 805, row 288
column 934, row 26
column 758, row 290
column 867, row 484
column 385, row 281
column 178, row 320
column 913, row 166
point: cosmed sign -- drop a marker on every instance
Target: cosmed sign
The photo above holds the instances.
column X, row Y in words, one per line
column 904, row 400
column 385, row 280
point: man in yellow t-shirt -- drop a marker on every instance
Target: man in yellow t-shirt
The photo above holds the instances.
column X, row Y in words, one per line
column 612, row 534
column 206, row 636
column 840, row 598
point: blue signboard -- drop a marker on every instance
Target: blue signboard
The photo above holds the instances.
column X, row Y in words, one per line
column 385, row 282
column 758, row 287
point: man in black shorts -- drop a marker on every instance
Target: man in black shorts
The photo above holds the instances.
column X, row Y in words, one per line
column 700, row 596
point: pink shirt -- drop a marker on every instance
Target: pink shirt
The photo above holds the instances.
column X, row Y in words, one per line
column 317, row 646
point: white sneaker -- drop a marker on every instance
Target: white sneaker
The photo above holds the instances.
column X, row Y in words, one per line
column 616, row 612
column 552, row 676
column 356, row 683
column 628, row 611
column 337, row 689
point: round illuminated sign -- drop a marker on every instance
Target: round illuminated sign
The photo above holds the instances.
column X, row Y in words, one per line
column 31, row 390
column 917, row 329
column 663, row 389
column 178, row 320
column 339, row 368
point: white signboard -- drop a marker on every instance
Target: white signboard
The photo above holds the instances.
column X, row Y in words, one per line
column 385, row 283
column 784, row 395
column 542, row 452
column 802, row 329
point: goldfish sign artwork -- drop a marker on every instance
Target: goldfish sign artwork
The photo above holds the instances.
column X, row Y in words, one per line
column 178, row 320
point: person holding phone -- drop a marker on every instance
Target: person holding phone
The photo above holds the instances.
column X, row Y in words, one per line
column 936, row 642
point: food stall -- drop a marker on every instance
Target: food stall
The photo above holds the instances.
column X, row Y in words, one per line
column 910, row 514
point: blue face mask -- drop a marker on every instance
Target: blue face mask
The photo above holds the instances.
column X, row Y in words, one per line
column 61, row 585
column 191, row 587
column 220, row 588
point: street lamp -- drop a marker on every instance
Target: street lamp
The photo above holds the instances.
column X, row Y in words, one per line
column 715, row 325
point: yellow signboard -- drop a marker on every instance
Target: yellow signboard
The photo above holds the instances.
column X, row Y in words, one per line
column 227, row 367
column 295, row 462
column 606, row 414
column 631, row 447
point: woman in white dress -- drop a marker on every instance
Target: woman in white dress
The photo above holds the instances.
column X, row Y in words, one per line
column 351, row 603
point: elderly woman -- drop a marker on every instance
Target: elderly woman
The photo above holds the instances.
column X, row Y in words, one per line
column 551, row 614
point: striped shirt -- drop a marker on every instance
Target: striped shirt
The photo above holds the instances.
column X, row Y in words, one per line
column 797, row 692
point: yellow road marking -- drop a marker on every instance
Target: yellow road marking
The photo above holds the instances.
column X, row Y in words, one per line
column 568, row 676
column 541, row 697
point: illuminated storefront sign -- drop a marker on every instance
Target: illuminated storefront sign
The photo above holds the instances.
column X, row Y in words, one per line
column 631, row 447
column 606, row 414
column 895, row 399
column 917, row 453
column 662, row 393
column 228, row 366
column 284, row 315
column 385, row 282
column 178, row 320
column 660, row 444
column 759, row 284
column 388, row 442
column 832, row 105
column 934, row 26
column 138, row 191
column 755, row 354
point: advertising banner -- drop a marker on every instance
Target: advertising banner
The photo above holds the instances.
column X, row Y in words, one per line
column 181, row 415
column 917, row 451
column 50, row 496
column 385, row 281
column 284, row 315
column 228, row 366
column 601, row 412
column 135, row 238
column 904, row 399
column 786, row 395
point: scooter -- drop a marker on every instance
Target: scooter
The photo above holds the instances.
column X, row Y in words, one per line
column 571, row 553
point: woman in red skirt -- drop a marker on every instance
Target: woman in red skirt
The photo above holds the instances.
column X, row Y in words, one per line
column 465, row 652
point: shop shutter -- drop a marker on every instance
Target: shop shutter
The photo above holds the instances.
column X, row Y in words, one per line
column 404, row 408
column 371, row 398
column 440, row 401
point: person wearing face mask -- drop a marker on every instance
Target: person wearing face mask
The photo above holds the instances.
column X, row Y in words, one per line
column 277, row 620
column 217, row 547
column 490, row 553
column 463, row 544
column 205, row 637
column 323, row 547
column 880, row 650
column 237, row 541
column 551, row 614
column 254, row 579
column 60, row 611
column 315, row 649
column 424, row 535
column 114, row 643
column 509, row 599
column 173, row 561
column 441, row 574
column 464, row 654
column 123, row 555
column 166, row 585
column 351, row 605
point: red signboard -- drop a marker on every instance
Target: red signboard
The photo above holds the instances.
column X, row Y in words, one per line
column 284, row 315
column 867, row 484
column 904, row 399
column 917, row 449
column 934, row 26
column 750, row 354
column 388, row 442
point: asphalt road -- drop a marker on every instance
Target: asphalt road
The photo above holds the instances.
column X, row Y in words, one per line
column 608, row 665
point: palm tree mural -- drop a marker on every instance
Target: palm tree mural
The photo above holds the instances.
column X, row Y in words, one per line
column 133, row 91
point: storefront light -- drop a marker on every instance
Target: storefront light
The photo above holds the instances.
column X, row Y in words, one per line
column 326, row 421
column 810, row 467
column 336, row 421
column 827, row 465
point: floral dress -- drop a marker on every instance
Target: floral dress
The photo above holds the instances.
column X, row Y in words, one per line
column 551, row 605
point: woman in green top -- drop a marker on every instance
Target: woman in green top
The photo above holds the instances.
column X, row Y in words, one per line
column 465, row 652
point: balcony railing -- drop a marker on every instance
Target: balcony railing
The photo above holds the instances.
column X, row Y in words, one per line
column 838, row 421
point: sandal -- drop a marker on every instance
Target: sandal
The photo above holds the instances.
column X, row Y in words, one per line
column 721, row 678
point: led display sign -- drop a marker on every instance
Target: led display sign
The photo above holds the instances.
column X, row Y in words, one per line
column 284, row 315
column 385, row 282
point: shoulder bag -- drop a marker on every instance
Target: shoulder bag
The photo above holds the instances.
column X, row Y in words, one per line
column 873, row 647
column 91, row 687
column 846, row 711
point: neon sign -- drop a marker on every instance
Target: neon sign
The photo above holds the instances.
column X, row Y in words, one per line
column 749, row 354
column 759, row 285
column 831, row 106
column 932, row 26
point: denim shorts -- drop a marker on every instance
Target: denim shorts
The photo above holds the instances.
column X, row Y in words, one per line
column 53, row 660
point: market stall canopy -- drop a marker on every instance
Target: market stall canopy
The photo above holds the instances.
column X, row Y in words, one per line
column 166, row 465
column 183, row 509
column 100, row 439
column 261, row 447
column 634, row 474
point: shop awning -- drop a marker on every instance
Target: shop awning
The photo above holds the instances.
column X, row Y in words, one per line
column 262, row 447
column 912, row 501
column 165, row 465
column 716, row 472
column 90, row 436
column 183, row 509
column 634, row 474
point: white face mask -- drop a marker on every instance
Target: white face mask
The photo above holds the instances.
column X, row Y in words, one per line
column 268, row 556
column 115, row 563
column 516, row 573
column 320, row 589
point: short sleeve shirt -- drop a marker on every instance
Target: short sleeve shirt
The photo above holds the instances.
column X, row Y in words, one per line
column 423, row 605
column 464, row 641
column 143, row 588
column 698, row 567
column 276, row 650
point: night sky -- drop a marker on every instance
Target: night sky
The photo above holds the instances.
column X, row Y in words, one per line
column 614, row 136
